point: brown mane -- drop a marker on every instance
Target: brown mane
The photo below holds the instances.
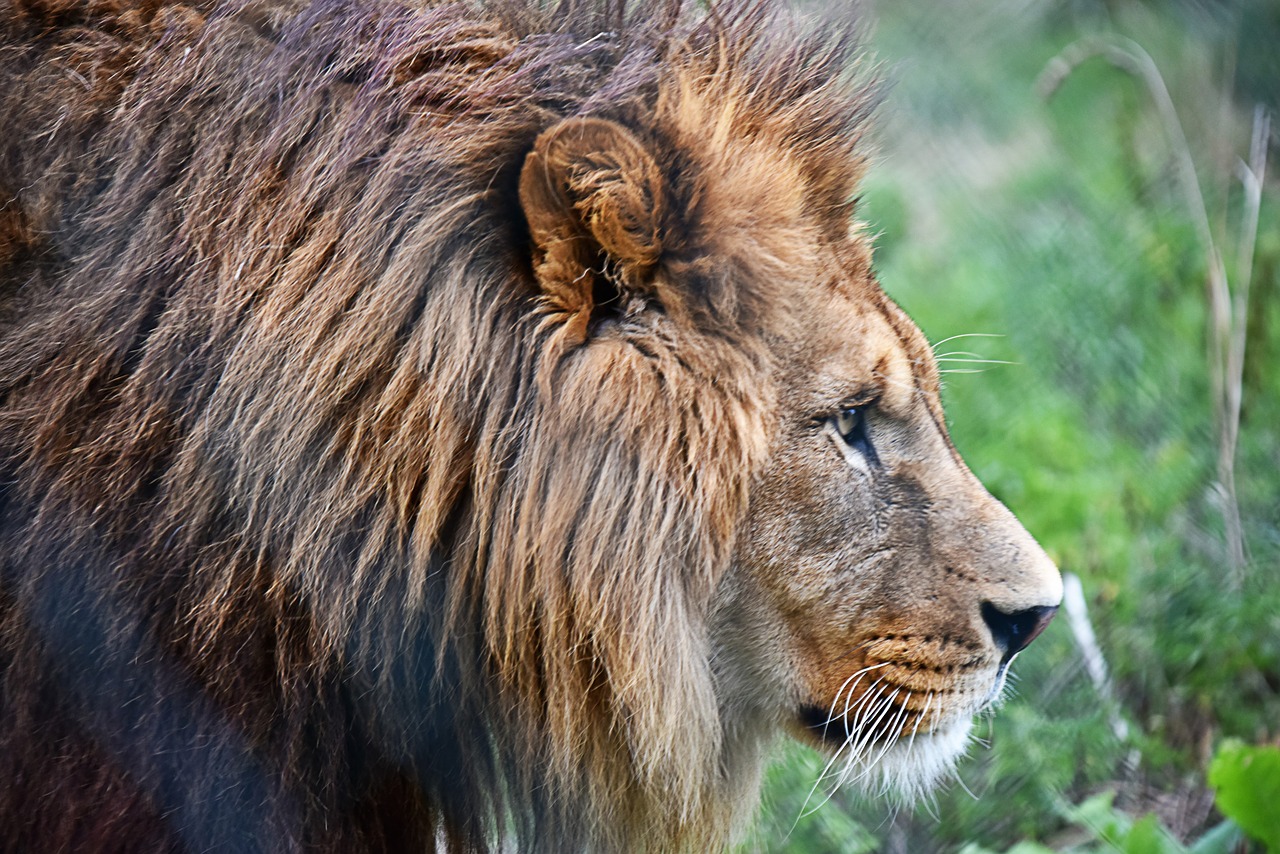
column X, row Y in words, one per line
column 318, row 530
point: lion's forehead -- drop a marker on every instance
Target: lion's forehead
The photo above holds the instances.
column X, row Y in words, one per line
column 865, row 347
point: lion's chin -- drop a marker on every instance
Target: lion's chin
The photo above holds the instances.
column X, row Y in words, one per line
column 910, row 770
column 906, row 767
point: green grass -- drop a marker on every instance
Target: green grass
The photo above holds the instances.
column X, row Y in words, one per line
column 1059, row 227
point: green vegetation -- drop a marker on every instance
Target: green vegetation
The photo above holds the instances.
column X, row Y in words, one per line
column 1247, row 780
column 1065, row 225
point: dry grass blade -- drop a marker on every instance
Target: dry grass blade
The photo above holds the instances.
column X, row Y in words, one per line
column 1227, row 316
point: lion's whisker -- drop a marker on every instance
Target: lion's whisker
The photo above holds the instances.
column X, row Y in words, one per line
column 919, row 720
column 868, row 704
column 979, row 361
column 862, row 701
column 858, row 675
column 854, row 719
column 848, row 738
column 859, row 757
column 852, row 734
column 938, row 344
column 891, row 739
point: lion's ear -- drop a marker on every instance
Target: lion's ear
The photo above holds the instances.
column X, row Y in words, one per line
column 594, row 200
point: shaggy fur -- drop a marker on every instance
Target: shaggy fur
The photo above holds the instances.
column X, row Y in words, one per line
column 399, row 414
column 315, row 533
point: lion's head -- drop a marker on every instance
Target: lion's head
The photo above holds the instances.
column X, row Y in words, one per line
column 486, row 423
column 862, row 590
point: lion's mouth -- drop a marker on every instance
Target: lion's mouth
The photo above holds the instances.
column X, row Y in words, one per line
column 832, row 731
column 888, row 715
column 837, row 730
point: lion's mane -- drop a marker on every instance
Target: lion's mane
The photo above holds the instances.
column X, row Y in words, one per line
column 318, row 529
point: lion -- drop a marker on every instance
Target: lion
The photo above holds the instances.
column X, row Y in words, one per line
column 445, row 426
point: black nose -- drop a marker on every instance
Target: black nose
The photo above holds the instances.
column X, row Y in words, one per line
column 1012, row 632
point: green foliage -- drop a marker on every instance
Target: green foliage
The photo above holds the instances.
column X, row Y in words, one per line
column 1119, row 832
column 1098, row 827
column 1247, row 781
column 1059, row 226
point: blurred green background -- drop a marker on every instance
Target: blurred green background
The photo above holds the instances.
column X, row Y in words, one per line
column 1051, row 201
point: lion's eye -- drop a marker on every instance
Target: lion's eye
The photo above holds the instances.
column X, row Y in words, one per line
column 848, row 423
column 851, row 424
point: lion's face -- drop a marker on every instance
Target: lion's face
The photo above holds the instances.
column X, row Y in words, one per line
column 889, row 591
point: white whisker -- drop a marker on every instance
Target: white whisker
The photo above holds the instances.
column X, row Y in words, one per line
column 919, row 720
column 858, row 675
column 825, row 771
column 861, row 701
column 967, row 790
column 868, row 738
column 938, row 344
column 830, row 719
column 894, row 734
column 866, row 706
column 860, row 727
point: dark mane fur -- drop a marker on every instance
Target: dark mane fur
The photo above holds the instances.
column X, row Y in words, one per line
column 316, row 532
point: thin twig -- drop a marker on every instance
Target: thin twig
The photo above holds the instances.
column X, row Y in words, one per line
column 1073, row 603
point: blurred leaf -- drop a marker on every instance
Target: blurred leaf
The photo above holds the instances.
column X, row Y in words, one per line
column 1148, row 837
column 1029, row 848
column 1247, row 782
column 1097, row 814
column 1222, row 839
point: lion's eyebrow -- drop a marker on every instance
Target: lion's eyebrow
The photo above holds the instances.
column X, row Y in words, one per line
column 902, row 372
column 866, row 394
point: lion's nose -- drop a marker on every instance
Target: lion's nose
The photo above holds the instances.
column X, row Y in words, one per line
column 1012, row 632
